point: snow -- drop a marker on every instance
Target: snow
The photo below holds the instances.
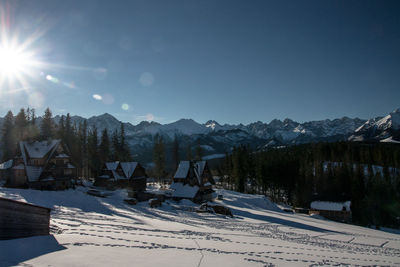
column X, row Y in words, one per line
column 128, row 168
column 62, row 155
column 6, row 165
column 214, row 156
column 199, row 169
column 33, row 173
column 181, row 190
column 39, row 149
column 19, row 167
column 183, row 169
column 96, row 232
column 112, row 166
column 332, row 206
column 389, row 140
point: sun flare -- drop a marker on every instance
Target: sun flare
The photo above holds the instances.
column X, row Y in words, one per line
column 13, row 62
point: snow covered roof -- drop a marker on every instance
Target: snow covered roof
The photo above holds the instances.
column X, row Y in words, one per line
column 198, row 168
column 183, row 169
column 33, row 173
column 39, row 149
column 112, row 166
column 6, row 165
column 128, row 168
column 19, row 167
column 70, row 166
column 185, row 191
column 62, row 155
column 332, row 206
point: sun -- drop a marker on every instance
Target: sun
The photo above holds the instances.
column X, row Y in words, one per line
column 13, row 62
column 16, row 63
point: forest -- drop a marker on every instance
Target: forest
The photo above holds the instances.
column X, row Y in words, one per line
column 368, row 174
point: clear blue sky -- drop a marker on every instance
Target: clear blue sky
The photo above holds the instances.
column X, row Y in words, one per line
column 232, row 61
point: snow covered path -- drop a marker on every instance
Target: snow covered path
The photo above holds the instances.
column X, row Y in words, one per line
column 91, row 231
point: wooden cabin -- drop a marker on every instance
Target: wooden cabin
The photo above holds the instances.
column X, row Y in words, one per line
column 336, row 211
column 193, row 180
column 19, row 219
column 41, row 165
column 124, row 175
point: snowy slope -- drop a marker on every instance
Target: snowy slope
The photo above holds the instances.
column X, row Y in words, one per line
column 90, row 231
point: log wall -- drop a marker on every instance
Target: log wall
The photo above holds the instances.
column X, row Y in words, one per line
column 19, row 219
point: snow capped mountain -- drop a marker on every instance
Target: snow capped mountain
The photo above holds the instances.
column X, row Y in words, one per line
column 217, row 139
column 384, row 129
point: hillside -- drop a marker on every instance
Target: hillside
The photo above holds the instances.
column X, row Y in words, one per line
column 90, row 231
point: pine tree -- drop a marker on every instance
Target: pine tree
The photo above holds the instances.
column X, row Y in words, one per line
column 159, row 157
column 47, row 127
column 125, row 154
column 61, row 129
column 175, row 151
column 115, row 146
column 93, row 152
column 189, row 153
column 104, row 148
column 8, row 141
column 21, row 124
column 199, row 151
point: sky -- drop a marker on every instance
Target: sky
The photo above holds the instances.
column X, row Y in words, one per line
column 229, row 61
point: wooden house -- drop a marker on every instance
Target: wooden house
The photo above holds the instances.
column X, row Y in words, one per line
column 123, row 174
column 193, row 180
column 41, row 165
column 19, row 219
column 337, row 211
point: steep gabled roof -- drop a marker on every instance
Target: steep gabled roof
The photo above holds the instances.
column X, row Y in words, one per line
column 128, row 168
column 112, row 166
column 183, row 169
column 39, row 149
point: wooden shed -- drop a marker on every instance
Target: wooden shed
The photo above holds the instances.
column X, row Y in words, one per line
column 19, row 219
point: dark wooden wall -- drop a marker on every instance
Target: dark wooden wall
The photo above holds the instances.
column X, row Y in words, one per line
column 18, row 219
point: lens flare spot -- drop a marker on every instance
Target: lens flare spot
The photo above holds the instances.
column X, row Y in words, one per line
column 97, row 97
column 51, row 78
column 146, row 79
column 125, row 106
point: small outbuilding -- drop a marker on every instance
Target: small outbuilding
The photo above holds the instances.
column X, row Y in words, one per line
column 19, row 219
column 337, row 211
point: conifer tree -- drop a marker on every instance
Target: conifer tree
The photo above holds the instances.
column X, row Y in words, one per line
column 93, row 152
column 175, row 151
column 8, row 141
column 199, row 151
column 47, row 127
column 104, row 148
column 21, row 124
column 159, row 157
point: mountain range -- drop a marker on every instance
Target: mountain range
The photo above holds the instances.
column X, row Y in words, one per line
column 216, row 139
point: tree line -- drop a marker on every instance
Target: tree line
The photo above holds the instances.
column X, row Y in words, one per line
column 88, row 150
column 366, row 174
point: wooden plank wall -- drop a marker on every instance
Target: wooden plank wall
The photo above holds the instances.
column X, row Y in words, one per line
column 18, row 219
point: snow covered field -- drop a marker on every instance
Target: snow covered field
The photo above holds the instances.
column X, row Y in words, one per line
column 92, row 231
